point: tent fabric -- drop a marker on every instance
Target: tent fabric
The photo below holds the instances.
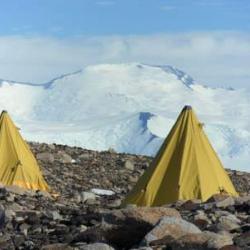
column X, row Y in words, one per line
column 186, row 167
column 17, row 163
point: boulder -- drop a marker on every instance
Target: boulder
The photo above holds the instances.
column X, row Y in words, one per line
column 170, row 226
column 45, row 157
column 126, row 227
column 149, row 215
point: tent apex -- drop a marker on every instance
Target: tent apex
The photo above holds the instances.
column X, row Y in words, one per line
column 187, row 107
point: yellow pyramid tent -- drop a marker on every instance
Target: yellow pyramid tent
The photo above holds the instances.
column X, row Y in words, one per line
column 17, row 163
column 186, row 167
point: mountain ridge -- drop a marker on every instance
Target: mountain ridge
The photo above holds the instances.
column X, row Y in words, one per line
column 130, row 107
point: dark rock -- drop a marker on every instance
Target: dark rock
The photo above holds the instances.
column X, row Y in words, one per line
column 243, row 240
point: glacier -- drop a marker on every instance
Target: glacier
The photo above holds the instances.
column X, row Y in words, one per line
column 129, row 107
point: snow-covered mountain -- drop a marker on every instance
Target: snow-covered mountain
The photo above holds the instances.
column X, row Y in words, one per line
column 129, row 107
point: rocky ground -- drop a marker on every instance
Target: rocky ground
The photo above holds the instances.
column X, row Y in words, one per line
column 74, row 217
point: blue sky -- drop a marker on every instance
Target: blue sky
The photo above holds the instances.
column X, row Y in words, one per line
column 66, row 18
column 209, row 39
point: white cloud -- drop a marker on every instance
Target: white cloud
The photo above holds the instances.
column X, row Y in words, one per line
column 218, row 58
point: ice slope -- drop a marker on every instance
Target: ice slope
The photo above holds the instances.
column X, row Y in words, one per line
column 129, row 107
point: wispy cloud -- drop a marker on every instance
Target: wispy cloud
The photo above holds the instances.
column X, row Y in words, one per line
column 215, row 58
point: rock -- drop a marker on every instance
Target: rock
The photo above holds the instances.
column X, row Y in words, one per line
column 41, row 193
column 149, row 215
column 63, row 157
column 185, row 242
column 228, row 222
column 208, row 206
column 45, row 157
column 243, row 240
column 126, row 227
column 242, row 199
column 86, row 196
column 36, row 219
column 85, row 156
column 170, row 226
column 6, row 242
column 201, row 220
column 217, row 241
column 10, row 197
column 83, row 228
column 115, row 204
column 191, row 205
column 57, row 246
column 18, row 240
column 231, row 247
column 2, row 216
column 16, row 190
column 218, row 198
column 3, row 193
column 52, row 146
column 96, row 246
column 54, row 215
column 129, row 165
column 229, row 201
column 201, row 223
column 9, row 214
column 143, row 248
column 133, row 179
column 24, row 228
